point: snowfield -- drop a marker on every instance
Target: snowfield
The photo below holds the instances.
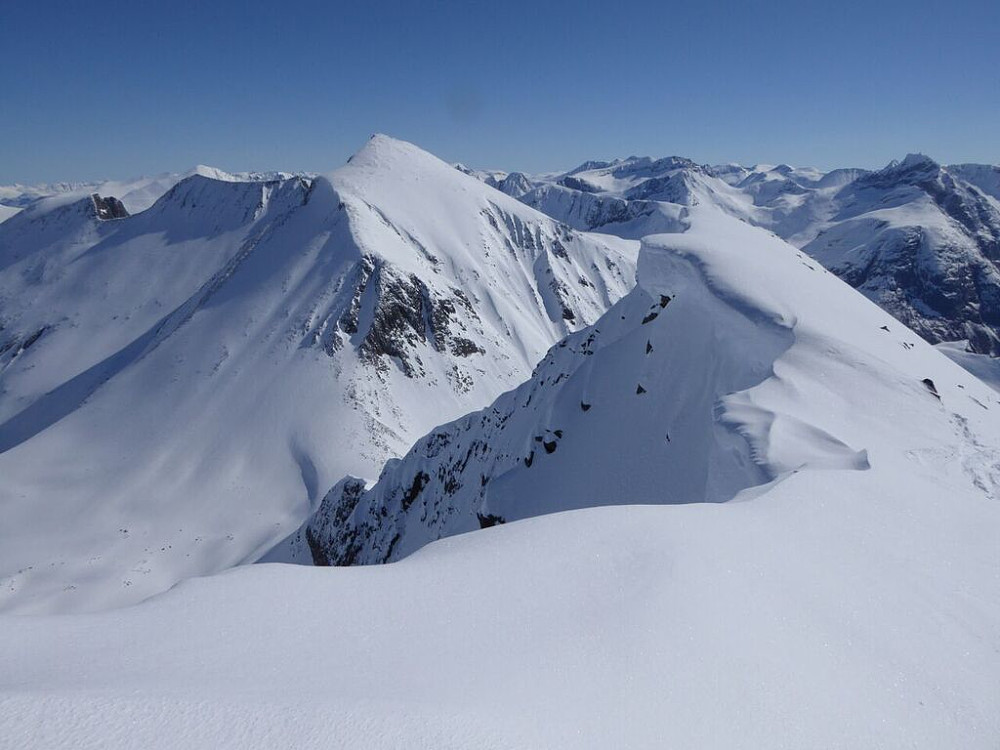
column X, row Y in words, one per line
column 739, row 506
column 832, row 611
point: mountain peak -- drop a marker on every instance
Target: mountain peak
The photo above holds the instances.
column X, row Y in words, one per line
column 917, row 160
column 382, row 150
column 212, row 173
column 912, row 162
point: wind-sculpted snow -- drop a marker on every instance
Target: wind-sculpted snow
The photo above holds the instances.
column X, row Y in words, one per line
column 181, row 386
column 736, row 362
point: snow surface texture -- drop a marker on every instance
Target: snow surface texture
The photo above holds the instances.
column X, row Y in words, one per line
column 180, row 388
column 919, row 239
column 845, row 597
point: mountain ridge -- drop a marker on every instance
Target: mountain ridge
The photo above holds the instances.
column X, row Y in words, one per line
column 326, row 321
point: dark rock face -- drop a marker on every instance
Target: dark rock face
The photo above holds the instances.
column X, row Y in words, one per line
column 575, row 183
column 108, row 208
column 406, row 313
column 420, row 480
column 671, row 188
column 330, row 542
column 487, row 520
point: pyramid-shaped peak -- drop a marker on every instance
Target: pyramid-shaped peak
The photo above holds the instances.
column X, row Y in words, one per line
column 383, row 151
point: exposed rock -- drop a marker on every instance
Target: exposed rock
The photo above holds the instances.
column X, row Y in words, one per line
column 109, row 208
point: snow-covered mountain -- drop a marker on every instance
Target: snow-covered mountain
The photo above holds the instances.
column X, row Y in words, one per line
column 737, row 364
column 179, row 387
column 925, row 245
column 846, row 596
column 919, row 239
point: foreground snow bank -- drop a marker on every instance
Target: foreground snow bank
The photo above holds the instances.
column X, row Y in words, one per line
column 833, row 611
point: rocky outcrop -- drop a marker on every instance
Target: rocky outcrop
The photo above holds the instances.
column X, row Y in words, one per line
column 108, row 208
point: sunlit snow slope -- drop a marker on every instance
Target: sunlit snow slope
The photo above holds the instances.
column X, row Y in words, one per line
column 737, row 361
column 178, row 388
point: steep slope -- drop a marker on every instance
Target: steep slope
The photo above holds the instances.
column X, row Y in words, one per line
column 847, row 599
column 735, row 363
column 925, row 246
column 181, row 386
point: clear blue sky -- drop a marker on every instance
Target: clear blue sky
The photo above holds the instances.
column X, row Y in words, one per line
column 117, row 89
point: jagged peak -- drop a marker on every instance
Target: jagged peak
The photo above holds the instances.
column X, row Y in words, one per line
column 108, row 207
column 912, row 162
column 918, row 160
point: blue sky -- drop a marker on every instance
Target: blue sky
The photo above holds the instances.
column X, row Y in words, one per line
column 115, row 89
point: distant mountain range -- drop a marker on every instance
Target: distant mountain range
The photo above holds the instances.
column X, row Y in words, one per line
column 919, row 239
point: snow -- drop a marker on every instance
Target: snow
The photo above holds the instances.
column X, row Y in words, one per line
column 7, row 211
column 917, row 238
column 839, row 599
column 138, row 193
column 181, row 387
column 984, row 367
column 736, row 361
column 797, row 619
column 758, row 510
